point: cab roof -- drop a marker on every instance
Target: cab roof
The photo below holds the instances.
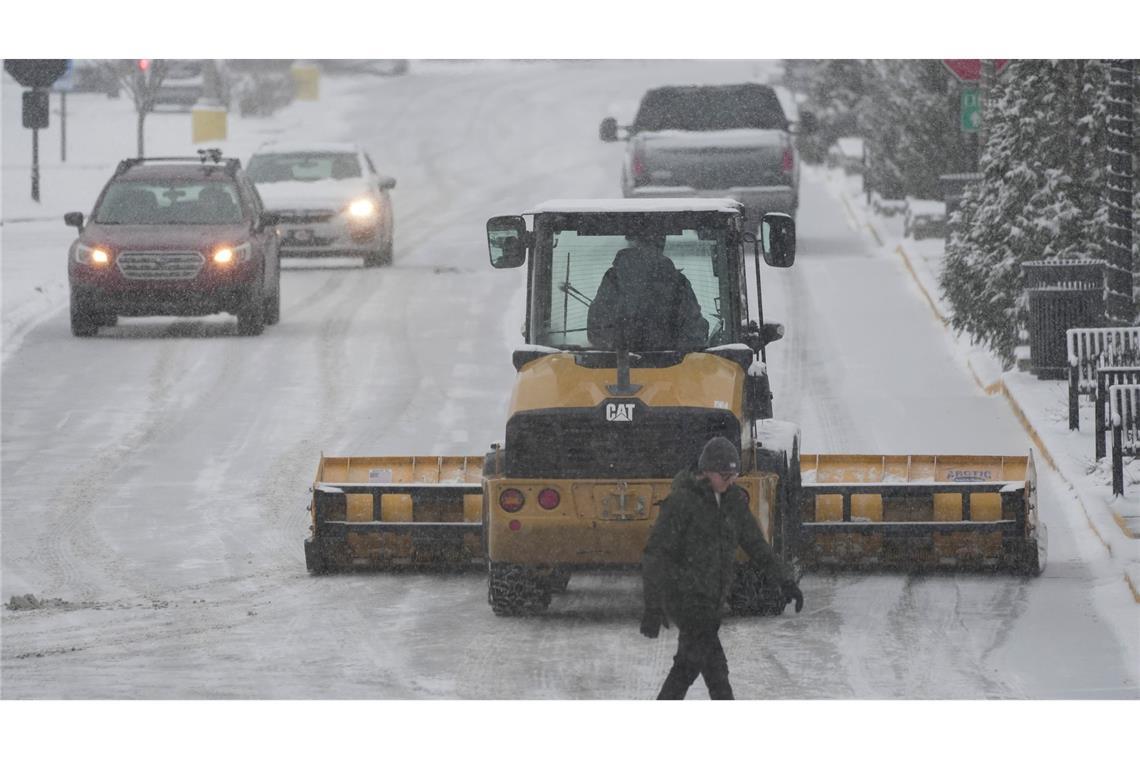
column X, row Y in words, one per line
column 636, row 205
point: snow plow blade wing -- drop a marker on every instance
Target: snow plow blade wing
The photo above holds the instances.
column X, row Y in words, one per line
column 920, row 512
column 391, row 512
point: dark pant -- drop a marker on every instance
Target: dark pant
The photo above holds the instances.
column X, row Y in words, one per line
column 698, row 652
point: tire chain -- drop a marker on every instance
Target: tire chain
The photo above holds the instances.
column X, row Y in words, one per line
column 513, row 590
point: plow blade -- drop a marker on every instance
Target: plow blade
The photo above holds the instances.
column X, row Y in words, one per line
column 389, row 512
column 920, row 512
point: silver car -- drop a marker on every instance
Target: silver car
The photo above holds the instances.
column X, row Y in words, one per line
column 330, row 199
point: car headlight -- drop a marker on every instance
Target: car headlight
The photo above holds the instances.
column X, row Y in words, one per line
column 227, row 255
column 92, row 256
column 362, row 208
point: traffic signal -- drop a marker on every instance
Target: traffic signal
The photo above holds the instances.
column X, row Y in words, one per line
column 144, row 64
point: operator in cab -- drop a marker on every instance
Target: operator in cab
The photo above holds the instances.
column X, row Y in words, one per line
column 645, row 303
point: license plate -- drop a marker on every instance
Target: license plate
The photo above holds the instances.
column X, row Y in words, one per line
column 622, row 501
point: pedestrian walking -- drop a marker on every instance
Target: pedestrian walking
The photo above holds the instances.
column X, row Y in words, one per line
column 689, row 564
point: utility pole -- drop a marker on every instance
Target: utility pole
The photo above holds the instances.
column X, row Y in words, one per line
column 1119, row 306
column 36, row 165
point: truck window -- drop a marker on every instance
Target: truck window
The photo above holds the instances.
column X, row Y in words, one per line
column 702, row 109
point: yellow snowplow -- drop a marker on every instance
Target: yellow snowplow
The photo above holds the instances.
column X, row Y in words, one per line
column 921, row 512
column 595, row 433
column 386, row 512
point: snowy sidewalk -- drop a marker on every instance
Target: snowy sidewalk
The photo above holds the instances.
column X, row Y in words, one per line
column 1041, row 405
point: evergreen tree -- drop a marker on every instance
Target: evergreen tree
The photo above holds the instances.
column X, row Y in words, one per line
column 1041, row 196
column 836, row 90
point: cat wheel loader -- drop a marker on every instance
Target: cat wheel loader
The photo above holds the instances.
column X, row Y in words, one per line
column 596, row 432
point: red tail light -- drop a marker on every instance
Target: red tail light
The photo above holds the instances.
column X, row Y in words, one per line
column 638, row 164
column 511, row 500
column 789, row 161
column 548, row 498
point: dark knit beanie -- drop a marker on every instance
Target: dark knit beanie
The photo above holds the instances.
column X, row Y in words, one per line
column 719, row 455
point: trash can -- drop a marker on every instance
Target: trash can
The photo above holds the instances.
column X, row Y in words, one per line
column 1063, row 293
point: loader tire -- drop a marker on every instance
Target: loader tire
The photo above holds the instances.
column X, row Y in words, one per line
column 751, row 595
column 513, row 590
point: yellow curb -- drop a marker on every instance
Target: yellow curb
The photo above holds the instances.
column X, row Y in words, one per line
column 992, row 389
column 1017, row 412
column 875, row 232
column 851, row 212
column 1123, row 525
column 925, row 293
column 1135, row 591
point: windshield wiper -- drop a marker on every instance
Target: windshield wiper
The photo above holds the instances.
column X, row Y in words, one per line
column 574, row 293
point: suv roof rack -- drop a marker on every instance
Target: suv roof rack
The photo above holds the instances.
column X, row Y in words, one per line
column 212, row 155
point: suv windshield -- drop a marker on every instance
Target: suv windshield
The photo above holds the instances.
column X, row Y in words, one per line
column 574, row 252
column 701, row 109
column 175, row 202
column 302, row 167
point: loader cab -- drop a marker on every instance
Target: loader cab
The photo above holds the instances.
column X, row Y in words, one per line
column 572, row 247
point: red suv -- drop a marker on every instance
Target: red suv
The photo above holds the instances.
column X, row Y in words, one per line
column 175, row 237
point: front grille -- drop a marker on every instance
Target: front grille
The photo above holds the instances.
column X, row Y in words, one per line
column 301, row 216
column 582, row 443
column 160, row 265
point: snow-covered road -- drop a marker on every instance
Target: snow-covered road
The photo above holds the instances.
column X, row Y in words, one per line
column 155, row 477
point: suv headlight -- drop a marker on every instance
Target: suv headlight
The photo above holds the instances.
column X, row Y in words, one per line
column 362, row 208
column 228, row 255
column 92, row 255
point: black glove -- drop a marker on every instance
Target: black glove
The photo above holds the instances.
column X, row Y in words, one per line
column 792, row 593
column 651, row 623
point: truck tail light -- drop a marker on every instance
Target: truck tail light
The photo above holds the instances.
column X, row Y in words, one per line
column 789, row 161
column 637, row 165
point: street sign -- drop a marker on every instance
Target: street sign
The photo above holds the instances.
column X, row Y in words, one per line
column 971, row 109
column 970, row 69
column 35, row 114
column 36, row 73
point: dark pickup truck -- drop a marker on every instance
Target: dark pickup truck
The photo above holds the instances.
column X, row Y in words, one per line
column 731, row 141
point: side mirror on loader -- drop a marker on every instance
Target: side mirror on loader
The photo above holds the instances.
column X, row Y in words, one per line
column 778, row 239
column 506, row 241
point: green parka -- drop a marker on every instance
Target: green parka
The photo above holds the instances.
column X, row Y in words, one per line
column 689, row 560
